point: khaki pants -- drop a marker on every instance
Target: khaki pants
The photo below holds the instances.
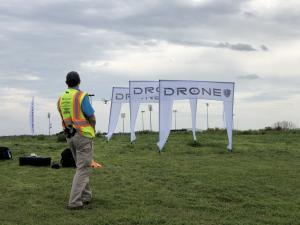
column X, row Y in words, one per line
column 82, row 150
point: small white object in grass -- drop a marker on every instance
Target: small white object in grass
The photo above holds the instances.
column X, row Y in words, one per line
column 33, row 154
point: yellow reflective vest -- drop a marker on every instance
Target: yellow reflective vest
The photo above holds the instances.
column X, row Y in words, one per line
column 69, row 105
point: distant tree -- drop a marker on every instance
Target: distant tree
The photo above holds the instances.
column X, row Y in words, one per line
column 284, row 125
column 268, row 128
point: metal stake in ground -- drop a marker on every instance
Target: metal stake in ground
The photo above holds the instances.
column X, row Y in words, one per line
column 150, row 110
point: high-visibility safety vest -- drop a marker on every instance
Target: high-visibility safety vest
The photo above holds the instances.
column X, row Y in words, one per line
column 70, row 108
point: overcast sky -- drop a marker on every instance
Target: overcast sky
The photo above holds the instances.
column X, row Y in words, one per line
column 254, row 43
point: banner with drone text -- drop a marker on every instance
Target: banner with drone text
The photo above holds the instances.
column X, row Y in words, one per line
column 148, row 92
column 120, row 95
column 141, row 92
column 169, row 91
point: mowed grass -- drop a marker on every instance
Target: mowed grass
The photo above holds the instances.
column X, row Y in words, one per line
column 202, row 183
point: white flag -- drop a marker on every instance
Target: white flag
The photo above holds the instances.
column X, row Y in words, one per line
column 31, row 116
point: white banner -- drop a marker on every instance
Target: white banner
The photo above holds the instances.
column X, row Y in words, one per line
column 120, row 95
column 141, row 92
column 179, row 90
column 148, row 92
column 144, row 91
column 176, row 90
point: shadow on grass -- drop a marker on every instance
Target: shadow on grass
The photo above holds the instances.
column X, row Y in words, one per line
column 197, row 144
column 98, row 203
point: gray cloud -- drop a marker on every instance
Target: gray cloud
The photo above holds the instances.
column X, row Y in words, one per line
column 47, row 40
column 267, row 89
column 249, row 14
column 237, row 47
column 114, row 14
column 271, row 96
column 249, row 77
column 264, row 48
column 265, row 97
column 143, row 20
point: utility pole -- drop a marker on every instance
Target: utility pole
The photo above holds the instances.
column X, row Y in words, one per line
column 175, row 111
column 49, row 124
column 150, row 110
column 207, row 115
column 123, row 115
column 143, row 111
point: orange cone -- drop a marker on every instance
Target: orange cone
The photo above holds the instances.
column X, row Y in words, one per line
column 96, row 165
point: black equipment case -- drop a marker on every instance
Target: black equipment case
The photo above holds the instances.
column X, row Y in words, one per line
column 35, row 161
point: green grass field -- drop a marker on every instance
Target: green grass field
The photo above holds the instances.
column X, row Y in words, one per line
column 259, row 183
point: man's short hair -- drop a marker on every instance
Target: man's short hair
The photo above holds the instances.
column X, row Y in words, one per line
column 72, row 79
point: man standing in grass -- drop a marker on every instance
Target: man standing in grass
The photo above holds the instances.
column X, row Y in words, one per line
column 79, row 125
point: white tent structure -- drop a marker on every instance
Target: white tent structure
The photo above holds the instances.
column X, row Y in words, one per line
column 148, row 92
column 172, row 90
column 120, row 96
column 141, row 92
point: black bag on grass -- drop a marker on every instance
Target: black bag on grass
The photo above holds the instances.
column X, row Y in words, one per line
column 67, row 159
column 34, row 161
column 5, row 153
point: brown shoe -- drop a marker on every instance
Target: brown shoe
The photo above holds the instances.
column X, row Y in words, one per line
column 86, row 202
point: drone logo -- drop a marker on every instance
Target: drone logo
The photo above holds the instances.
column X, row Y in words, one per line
column 227, row 92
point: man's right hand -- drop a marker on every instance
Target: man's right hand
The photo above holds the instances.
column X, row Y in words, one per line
column 92, row 121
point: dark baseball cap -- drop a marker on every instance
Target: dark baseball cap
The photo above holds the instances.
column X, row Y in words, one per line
column 73, row 79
